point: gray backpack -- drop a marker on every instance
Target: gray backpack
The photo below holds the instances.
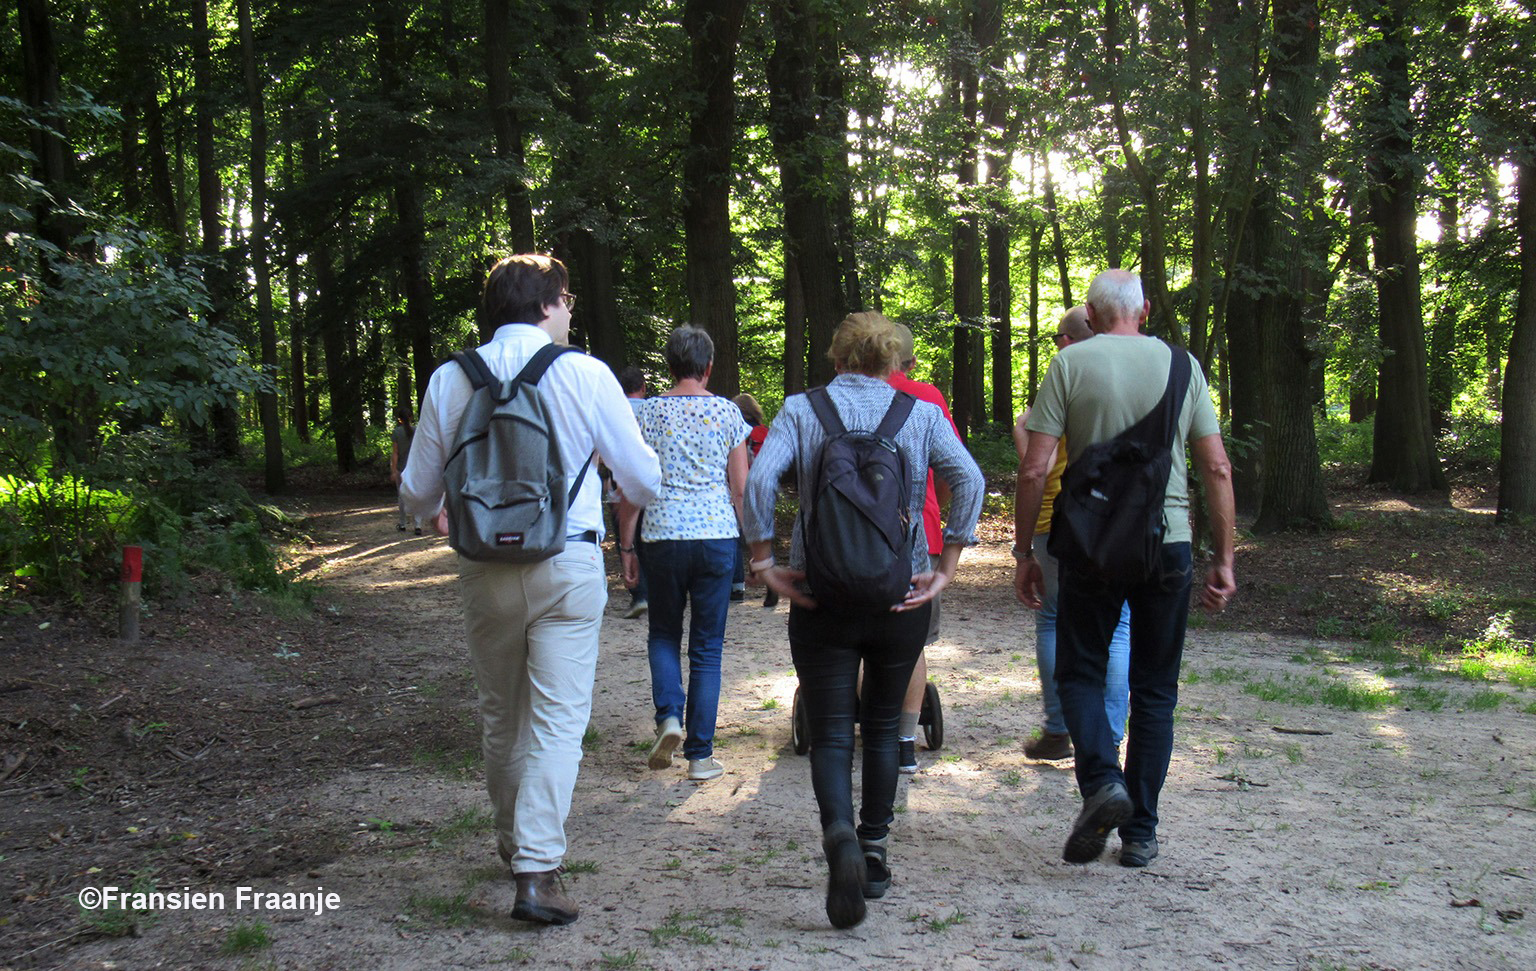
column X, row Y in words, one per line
column 505, row 481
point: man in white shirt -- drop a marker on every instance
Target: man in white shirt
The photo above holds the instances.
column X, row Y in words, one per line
column 533, row 628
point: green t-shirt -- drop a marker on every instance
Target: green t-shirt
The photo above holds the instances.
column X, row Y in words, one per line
column 1097, row 388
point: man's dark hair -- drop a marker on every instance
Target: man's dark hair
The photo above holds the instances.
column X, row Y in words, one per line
column 631, row 379
column 518, row 288
column 689, row 352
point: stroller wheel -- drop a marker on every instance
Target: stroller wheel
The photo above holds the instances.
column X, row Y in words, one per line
column 932, row 717
column 799, row 726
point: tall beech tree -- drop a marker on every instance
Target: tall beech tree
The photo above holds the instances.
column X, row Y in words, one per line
column 1403, row 452
column 713, row 27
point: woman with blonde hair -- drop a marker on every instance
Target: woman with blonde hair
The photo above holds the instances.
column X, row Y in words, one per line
column 829, row 640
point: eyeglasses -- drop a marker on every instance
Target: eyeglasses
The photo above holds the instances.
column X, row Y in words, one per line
column 570, row 300
column 1060, row 339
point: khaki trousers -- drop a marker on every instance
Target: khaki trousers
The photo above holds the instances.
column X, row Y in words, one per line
column 533, row 632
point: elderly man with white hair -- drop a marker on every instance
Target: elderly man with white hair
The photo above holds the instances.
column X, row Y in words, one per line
column 1094, row 390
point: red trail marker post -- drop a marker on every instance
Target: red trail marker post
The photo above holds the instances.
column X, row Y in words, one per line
column 133, row 582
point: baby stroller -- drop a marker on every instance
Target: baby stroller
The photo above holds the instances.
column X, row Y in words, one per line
column 931, row 719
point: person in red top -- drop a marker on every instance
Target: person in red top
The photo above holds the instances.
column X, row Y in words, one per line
column 912, row 707
column 752, row 412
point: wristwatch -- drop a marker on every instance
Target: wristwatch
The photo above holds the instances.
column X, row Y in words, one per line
column 1021, row 555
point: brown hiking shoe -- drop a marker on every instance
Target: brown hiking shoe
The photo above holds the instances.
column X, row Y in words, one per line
column 1049, row 747
column 541, row 899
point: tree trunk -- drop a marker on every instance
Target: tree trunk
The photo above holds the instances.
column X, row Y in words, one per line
column 210, row 201
column 713, row 27
column 595, row 322
column 271, row 425
column 809, row 237
column 1442, row 356
column 969, row 305
column 1403, row 453
column 1284, row 240
column 794, row 323
column 1202, row 230
column 1000, row 141
column 506, row 125
column 1058, row 241
column 1517, row 455
column 323, row 318
column 53, row 165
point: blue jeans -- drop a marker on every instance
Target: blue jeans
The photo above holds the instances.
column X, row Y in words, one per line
column 827, row 646
column 677, row 571
column 1115, row 687
column 1087, row 613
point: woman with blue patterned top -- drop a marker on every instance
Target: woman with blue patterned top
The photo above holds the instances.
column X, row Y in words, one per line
column 687, row 547
column 829, row 641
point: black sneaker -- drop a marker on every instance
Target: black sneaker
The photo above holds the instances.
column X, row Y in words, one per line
column 877, row 874
column 1103, row 811
column 906, row 756
column 1138, row 853
column 738, row 596
column 846, row 875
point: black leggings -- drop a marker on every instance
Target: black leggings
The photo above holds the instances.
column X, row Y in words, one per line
column 827, row 645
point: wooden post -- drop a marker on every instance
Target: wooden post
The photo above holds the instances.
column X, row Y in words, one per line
column 133, row 576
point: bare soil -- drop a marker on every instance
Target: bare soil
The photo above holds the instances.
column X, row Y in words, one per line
column 240, row 746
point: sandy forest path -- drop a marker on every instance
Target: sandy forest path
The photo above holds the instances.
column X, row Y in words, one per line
column 1296, row 834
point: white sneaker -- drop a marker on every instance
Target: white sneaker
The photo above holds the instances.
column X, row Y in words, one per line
column 702, row 770
column 669, row 735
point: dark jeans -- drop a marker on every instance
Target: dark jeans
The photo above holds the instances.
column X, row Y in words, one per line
column 827, row 646
column 1087, row 611
column 677, row 572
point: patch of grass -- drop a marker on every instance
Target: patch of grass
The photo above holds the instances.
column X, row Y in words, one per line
column 682, row 927
column 118, row 920
column 590, row 738
column 1353, row 697
column 1443, row 606
column 519, row 955
column 465, row 822
column 1423, row 698
column 580, row 866
column 1487, row 700
column 770, row 704
column 1331, row 628
column 629, row 959
column 457, row 764
column 448, row 911
column 246, row 937
column 1295, row 754
column 1012, row 779
column 938, row 925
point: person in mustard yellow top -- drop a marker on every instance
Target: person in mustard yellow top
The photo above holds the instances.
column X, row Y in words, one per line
column 1053, row 741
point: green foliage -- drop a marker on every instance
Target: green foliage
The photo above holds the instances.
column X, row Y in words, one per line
column 246, row 937
column 91, row 346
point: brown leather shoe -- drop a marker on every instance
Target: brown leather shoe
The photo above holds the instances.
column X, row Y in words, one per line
column 541, row 898
column 1049, row 747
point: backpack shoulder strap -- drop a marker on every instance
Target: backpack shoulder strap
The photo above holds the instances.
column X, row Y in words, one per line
column 896, row 415
column 540, row 362
column 530, row 374
column 826, row 411
column 474, row 368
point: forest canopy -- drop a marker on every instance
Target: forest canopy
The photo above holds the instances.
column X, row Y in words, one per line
column 229, row 224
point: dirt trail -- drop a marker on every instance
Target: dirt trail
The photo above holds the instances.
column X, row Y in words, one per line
column 1395, row 838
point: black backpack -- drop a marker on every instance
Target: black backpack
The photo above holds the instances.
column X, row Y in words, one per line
column 858, row 530
column 504, row 478
column 1108, row 520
